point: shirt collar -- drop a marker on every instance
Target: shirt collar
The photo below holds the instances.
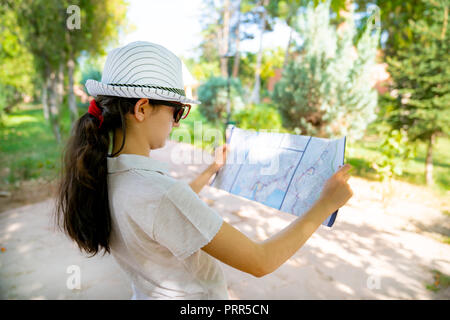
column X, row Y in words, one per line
column 126, row 161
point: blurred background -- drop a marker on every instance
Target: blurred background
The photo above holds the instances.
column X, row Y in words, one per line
column 376, row 71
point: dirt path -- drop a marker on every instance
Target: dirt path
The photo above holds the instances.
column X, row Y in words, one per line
column 372, row 251
column 28, row 192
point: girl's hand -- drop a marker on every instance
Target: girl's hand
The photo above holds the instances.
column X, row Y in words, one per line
column 337, row 191
column 220, row 156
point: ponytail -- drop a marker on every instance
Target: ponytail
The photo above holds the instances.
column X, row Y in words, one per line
column 82, row 205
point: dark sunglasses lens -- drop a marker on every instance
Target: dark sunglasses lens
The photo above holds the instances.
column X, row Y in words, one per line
column 178, row 113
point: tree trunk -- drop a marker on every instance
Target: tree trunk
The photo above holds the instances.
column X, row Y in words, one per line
column 429, row 161
column 51, row 89
column 256, row 88
column 55, row 95
column 70, row 71
column 225, row 40
column 286, row 54
column 45, row 106
column 71, row 93
column 59, row 98
column 45, row 100
column 237, row 55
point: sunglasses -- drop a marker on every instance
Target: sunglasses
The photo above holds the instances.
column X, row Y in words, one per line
column 180, row 108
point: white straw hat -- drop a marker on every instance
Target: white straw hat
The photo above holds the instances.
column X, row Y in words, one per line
column 141, row 70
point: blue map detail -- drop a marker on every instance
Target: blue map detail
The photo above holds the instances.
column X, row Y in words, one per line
column 275, row 198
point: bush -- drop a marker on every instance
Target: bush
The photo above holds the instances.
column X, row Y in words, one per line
column 213, row 95
column 9, row 97
column 259, row 116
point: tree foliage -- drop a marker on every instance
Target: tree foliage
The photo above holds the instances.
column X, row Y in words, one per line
column 42, row 30
column 16, row 64
column 326, row 90
column 419, row 100
column 213, row 95
column 395, row 16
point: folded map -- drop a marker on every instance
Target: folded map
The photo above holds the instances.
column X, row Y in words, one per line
column 283, row 171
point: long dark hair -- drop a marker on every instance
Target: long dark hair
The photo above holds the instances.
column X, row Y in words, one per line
column 82, row 206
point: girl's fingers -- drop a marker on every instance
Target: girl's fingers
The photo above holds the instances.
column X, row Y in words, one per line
column 345, row 168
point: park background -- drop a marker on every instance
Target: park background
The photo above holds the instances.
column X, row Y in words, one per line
column 377, row 72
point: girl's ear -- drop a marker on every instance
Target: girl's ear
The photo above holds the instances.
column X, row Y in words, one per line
column 139, row 109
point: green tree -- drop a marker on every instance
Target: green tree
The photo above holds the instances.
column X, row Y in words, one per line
column 261, row 8
column 43, row 29
column 266, row 11
column 16, row 71
column 420, row 98
column 395, row 16
column 225, row 24
column 100, row 23
column 272, row 59
column 287, row 11
column 325, row 90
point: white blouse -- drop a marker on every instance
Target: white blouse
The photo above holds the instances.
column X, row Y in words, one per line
column 159, row 225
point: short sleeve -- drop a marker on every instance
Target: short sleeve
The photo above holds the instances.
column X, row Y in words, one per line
column 183, row 222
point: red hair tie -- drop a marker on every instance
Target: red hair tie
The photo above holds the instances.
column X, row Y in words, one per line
column 95, row 111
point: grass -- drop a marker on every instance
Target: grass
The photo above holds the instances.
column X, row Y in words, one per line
column 440, row 281
column 362, row 153
column 28, row 149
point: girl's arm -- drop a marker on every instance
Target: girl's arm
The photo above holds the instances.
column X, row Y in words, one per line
column 257, row 258
column 203, row 178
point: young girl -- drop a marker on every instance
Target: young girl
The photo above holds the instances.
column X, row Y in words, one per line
column 163, row 236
